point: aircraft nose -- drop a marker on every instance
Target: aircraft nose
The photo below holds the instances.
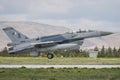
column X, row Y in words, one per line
column 105, row 33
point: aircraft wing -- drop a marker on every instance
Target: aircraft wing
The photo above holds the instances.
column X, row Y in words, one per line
column 31, row 45
column 44, row 44
column 40, row 45
column 53, row 43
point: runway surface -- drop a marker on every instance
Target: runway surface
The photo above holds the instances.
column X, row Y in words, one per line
column 60, row 66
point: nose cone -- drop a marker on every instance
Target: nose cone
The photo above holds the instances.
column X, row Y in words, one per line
column 105, row 33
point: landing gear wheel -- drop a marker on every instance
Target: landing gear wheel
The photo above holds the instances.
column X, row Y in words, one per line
column 50, row 56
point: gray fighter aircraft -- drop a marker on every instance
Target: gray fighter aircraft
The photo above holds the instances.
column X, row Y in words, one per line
column 67, row 41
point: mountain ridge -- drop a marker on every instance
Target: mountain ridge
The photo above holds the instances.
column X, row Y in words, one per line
column 30, row 29
column 34, row 29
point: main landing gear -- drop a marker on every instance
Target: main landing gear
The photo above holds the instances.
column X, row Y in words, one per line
column 50, row 55
column 34, row 53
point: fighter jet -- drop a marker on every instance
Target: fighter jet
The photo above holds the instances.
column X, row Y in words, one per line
column 67, row 41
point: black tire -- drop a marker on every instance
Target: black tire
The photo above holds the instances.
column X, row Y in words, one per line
column 50, row 56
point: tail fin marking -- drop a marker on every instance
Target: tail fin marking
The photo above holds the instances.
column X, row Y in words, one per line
column 14, row 35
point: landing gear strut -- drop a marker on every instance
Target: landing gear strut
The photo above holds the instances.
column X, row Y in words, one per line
column 50, row 55
column 34, row 53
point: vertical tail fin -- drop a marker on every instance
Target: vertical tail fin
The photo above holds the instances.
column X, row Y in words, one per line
column 14, row 35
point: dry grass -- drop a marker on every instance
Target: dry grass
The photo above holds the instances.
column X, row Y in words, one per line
column 58, row 61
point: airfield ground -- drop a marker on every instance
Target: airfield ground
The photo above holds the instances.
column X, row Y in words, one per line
column 52, row 73
column 59, row 74
column 59, row 61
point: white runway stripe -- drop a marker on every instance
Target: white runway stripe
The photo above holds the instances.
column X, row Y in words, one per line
column 60, row 66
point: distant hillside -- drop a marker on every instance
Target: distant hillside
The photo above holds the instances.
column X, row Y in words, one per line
column 30, row 29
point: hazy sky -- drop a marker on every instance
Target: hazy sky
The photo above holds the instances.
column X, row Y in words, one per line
column 87, row 14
